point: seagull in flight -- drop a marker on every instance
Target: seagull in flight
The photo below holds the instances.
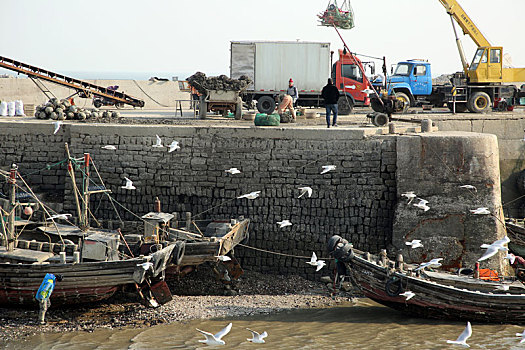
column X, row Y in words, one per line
column 416, row 243
column 59, row 217
column 223, row 258
column 422, row 204
column 305, row 190
column 480, row 211
column 314, row 262
column 233, row 171
column 215, row 339
column 410, row 196
column 159, row 142
column 495, row 247
column 522, row 335
column 129, row 184
column 57, row 125
column 251, row 195
column 174, row 145
column 256, row 337
column 408, row 295
column 432, row 263
column 469, row 187
column 462, row 339
column 109, row 147
column 284, row 223
column 327, row 168
column 511, row 257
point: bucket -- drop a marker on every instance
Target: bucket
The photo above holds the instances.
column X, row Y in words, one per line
column 248, row 116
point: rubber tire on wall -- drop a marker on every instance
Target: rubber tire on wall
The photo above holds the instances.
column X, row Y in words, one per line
column 345, row 106
column 266, row 104
column 403, row 96
column 393, row 287
column 476, row 97
column 461, row 107
column 178, row 252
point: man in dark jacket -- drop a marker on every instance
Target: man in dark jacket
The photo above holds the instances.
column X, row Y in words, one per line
column 330, row 94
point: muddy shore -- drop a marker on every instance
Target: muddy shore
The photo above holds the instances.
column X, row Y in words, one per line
column 196, row 296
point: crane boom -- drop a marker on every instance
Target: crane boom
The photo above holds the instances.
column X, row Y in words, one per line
column 467, row 25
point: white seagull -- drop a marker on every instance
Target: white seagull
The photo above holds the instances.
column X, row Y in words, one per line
column 469, row 187
column 59, row 217
column 251, row 195
column 327, row 168
column 129, row 184
column 109, row 147
column 522, row 335
column 432, row 263
column 314, row 262
column 284, row 223
column 511, row 257
column 462, row 339
column 223, row 258
column 159, row 142
column 495, row 247
column 410, row 196
column 416, row 243
column 233, row 171
column 57, row 125
column 174, row 145
column 146, row 266
column 503, row 287
column 480, row 211
column 422, row 204
column 305, row 190
column 215, row 339
column 408, row 295
column 256, row 337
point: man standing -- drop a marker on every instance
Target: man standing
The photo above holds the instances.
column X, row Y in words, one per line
column 289, row 99
column 44, row 293
column 292, row 91
column 330, row 94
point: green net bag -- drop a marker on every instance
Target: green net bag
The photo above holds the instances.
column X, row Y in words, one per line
column 341, row 17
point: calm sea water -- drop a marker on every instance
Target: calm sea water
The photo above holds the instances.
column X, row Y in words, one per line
column 365, row 325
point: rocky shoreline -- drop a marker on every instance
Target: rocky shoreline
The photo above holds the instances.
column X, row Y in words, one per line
column 196, row 296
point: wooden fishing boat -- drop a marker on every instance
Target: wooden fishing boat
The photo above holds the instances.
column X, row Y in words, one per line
column 439, row 295
column 516, row 233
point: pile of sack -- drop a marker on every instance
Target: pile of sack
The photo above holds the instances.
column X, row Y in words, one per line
column 63, row 110
column 202, row 84
column 10, row 109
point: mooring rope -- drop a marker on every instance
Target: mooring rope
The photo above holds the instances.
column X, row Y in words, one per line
column 280, row 254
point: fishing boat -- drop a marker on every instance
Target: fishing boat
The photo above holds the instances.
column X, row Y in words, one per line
column 516, row 233
column 438, row 295
column 91, row 261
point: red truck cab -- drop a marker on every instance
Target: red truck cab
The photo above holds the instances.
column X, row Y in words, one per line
column 347, row 74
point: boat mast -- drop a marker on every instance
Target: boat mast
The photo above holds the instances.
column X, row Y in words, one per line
column 84, row 222
column 73, row 180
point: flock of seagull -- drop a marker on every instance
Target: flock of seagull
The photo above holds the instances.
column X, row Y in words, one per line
column 216, row 339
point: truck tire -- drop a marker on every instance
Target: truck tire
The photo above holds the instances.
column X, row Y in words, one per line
column 266, row 104
column 479, row 102
column 406, row 100
column 461, row 107
column 238, row 109
column 345, row 105
column 376, row 105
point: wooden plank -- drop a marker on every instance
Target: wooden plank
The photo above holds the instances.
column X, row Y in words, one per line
column 27, row 255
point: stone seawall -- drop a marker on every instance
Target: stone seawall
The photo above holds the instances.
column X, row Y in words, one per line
column 359, row 200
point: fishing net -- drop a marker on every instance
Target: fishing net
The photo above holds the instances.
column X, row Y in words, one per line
column 340, row 16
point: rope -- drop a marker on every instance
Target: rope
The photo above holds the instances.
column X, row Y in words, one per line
column 280, row 254
column 145, row 93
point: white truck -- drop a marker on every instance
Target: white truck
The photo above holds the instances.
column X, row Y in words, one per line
column 271, row 64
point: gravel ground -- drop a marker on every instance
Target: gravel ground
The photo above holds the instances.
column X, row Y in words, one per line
column 196, row 296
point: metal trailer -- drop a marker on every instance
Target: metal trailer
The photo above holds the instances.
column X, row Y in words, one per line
column 83, row 88
column 221, row 101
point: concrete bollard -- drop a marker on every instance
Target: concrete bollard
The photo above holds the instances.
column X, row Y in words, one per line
column 62, row 257
column 391, row 128
column 76, row 257
column 426, row 125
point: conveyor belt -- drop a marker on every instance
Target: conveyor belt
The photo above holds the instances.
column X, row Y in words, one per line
column 84, row 88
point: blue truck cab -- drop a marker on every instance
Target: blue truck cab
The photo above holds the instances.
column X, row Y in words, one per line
column 412, row 80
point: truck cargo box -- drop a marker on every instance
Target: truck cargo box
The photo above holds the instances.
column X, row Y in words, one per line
column 271, row 64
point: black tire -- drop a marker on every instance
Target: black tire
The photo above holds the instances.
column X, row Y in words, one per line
column 345, row 105
column 266, row 104
column 380, row 119
column 97, row 103
column 406, row 100
column 393, row 287
column 178, row 253
column 376, row 105
column 238, row 109
column 520, row 182
column 479, row 102
column 461, row 107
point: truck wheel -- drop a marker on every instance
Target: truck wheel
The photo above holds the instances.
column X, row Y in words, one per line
column 380, row 119
column 461, row 107
column 238, row 109
column 479, row 102
column 401, row 96
column 376, row 105
column 266, row 104
column 97, row 103
column 345, row 105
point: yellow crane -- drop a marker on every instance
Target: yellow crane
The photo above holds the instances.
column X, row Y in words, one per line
column 487, row 65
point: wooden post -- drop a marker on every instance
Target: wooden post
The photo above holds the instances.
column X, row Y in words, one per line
column 84, row 219
column 188, row 221
column 10, row 244
column 73, row 180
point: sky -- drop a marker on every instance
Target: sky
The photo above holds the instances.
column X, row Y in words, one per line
column 174, row 37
